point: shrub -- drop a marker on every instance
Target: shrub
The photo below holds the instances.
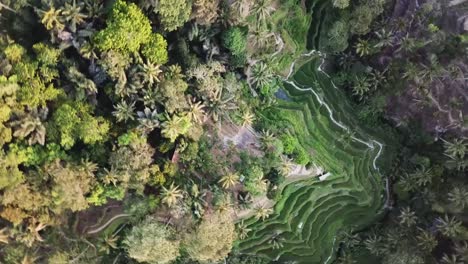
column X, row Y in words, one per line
column 235, row 40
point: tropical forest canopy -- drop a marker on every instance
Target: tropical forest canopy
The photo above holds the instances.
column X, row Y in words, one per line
column 240, row 132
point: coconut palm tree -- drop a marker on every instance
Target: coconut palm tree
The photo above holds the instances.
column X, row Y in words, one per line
column 459, row 197
column 361, row 86
column 150, row 73
column 426, row 240
column 262, row 10
column 30, row 125
column 286, row 166
column 276, row 241
column 263, row 213
column 229, row 180
column 72, row 14
column 386, row 39
column 449, row 226
column 450, row 259
column 196, row 112
column 219, row 106
column 458, row 147
column 243, row 230
column 262, row 75
column 124, row 111
column 407, row 217
column 374, row 245
column 148, row 119
column 363, row 48
column 51, row 18
column 4, row 236
column 461, row 248
column 171, row 195
column 175, row 126
column 247, row 118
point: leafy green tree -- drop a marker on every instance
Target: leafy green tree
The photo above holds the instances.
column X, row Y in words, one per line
column 152, row 242
column 72, row 121
column 155, row 50
column 127, row 29
column 71, row 185
column 213, row 239
column 235, row 40
column 338, row 36
column 174, row 13
column 10, row 174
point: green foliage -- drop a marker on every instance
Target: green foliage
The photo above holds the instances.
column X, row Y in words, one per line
column 235, row 40
column 341, row 3
column 10, row 175
column 72, row 121
column 338, row 36
column 127, row 29
column 254, row 182
column 156, row 49
column 174, row 13
column 213, row 238
column 101, row 193
column 152, row 242
column 14, row 52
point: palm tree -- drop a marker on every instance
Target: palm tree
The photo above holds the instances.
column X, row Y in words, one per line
column 374, row 245
column 4, row 236
column 461, row 248
column 51, row 18
column 426, row 241
column 243, row 230
column 72, row 13
column 219, row 106
column 229, row 180
column 423, row 176
column 175, row 126
column 386, row 39
column 150, row 73
column 263, row 213
column 363, row 48
column 29, row 260
column 30, row 126
column 263, row 9
column 459, row 197
column 262, row 75
column 148, row 119
column 124, row 111
column 276, row 241
column 449, row 226
column 456, row 148
column 361, row 86
column 196, row 112
column 452, row 259
column 247, row 118
column 286, row 166
column 407, row 217
column 172, row 195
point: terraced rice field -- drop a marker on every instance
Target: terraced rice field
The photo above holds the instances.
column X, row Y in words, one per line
column 311, row 213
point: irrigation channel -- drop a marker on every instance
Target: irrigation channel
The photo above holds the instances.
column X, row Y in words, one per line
column 310, row 214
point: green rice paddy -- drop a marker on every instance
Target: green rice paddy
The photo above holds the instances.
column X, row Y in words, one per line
column 310, row 214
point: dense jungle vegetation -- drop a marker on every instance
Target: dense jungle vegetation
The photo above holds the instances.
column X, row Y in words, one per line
column 233, row 131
